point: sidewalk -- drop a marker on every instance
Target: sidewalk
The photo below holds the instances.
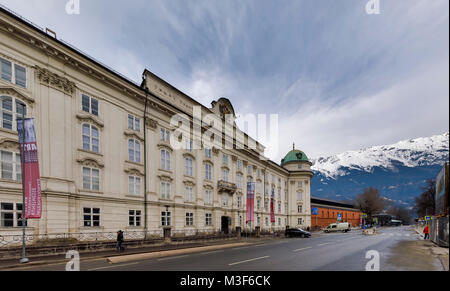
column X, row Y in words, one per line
column 9, row 264
column 438, row 252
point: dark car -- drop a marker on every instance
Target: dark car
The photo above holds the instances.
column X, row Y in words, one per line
column 293, row 232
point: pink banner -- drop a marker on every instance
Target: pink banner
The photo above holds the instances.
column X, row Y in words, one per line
column 30, row 168
column 250, row 202
column 272, row 211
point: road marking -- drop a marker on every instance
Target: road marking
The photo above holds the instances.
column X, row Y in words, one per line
column 246, row 261
column 302, row 249
column 240, row 248
column 324, row 244
column 170, row 258
column 101, row 268
column 213, row 252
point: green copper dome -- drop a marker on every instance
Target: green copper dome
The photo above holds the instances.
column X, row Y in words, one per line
column 294, row 156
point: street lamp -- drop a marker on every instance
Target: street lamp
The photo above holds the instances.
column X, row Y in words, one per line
column 24, row 258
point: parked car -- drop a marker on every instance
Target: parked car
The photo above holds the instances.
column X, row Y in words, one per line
column 293, row 232
column 344, row 227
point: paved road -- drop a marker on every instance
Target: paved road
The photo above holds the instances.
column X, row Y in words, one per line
column 321, row 252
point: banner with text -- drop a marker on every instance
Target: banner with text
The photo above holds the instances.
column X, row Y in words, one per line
column 30, row 168
column 272, row 211
column 250, row 201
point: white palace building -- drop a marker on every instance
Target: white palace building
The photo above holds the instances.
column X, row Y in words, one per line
column 106, row 153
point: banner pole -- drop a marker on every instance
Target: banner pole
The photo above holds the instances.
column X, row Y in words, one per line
column 24, row 222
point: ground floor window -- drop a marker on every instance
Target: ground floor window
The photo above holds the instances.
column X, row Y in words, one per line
column 91, row 217
column 10, row 214
column 300, row 221
column 10, row 166
column 134, row 218
column 165, row 218
column 189, row 219
column 208, row 220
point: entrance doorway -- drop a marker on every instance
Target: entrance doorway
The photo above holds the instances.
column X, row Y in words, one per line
column 226, row 222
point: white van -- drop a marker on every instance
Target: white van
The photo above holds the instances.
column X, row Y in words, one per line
column 344, row 227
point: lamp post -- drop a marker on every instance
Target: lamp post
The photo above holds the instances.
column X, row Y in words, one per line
column 24, row 258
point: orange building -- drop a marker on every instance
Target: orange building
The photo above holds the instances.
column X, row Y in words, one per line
column 325, row 212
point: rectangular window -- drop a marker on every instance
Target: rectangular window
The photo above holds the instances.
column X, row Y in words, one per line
column 225, row 159
column 21, row 76
column 91, row 179
column 165, row 160
column 250, row 170
column 189, row 145
column 189, row 170
column 164, row 135
column 208, row 153
column 300, row 195
column 258, row 221
column 189, row 193
column 208, row 172
column 239, row 165
column 134, row 185
column 134, row 218
column 266, row 205
column 300, row 209
column 134, row 123
column 239, row 201
column 300, row 184
column 208, row 197
column 165, row 218
column 300, row 221
column 91, row 217
column 224, row 199
column 89, row 104
column 189, row 219
column 258, row 204
column 239, row 181
column 165, row 190
column 208, row 219
column 10, row 215
column 6, row 70
column 10, row 166
column 267, row 221
column 225, row 175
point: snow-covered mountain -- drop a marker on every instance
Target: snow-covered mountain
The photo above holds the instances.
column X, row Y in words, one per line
column 397, row 170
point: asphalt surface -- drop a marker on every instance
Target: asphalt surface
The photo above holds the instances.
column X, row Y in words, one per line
column 321, row 252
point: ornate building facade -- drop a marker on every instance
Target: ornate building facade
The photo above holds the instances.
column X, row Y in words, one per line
column 106, row 153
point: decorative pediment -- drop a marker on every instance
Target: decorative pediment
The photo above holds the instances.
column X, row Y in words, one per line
column 55, row 81
column 165, row 146
column 12, row 91
column 166, row 178
column 9, row 144
column 85, row 117
column 151, row 123
column 133, row 134
column 208, row 187
column 134, row 171
column 189, row 182
column 91, row 162
column 188, row 155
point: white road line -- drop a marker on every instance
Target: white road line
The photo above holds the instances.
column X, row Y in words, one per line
column 302, row 249
column 324, row 244
column 246, row 261
column 213, row 252
column 170, row 258
column 115, row 266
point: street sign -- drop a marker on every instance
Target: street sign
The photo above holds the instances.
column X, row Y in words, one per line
column 315, row 211
column 364, row 215
column 428, row 218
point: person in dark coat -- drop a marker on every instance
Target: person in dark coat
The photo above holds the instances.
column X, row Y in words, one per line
column 120, row 241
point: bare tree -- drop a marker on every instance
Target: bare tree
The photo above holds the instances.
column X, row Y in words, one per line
column 425, row 203
column 401, row 213
column 370, row 202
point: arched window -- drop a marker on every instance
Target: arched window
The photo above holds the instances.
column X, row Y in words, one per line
column 90, row 138
column 11, row 109
column 189, row 171
column 165, row 160
column 134, row 151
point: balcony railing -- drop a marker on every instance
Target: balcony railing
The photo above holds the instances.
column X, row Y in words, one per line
column 227, row 187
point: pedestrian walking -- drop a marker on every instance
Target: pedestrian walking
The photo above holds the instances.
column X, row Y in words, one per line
column 426, row 231
column 120, row 248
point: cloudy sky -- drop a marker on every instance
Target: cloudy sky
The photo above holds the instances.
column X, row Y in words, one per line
column 338, row 78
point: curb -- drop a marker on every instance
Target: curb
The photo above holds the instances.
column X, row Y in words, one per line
column 160, row 254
